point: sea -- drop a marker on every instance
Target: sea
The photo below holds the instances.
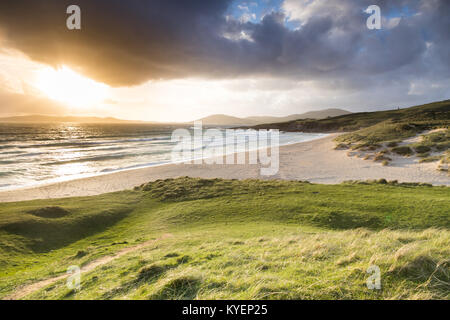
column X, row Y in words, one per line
column 33, row 154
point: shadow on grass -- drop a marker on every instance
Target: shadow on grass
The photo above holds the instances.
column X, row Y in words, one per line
column 180, row 288
column 146, row 275
column 426, row 272
column 56, row 228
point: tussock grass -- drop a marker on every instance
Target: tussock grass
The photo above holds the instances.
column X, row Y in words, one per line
column 436, row 142
column 430, row 159
column 403, row 151
column 300, row 264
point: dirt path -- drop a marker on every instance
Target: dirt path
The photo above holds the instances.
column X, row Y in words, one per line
column 28, row 289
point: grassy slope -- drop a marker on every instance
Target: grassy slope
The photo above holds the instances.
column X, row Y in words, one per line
column 235, row 239
column 416, row 118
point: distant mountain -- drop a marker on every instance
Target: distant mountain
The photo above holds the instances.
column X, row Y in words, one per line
column 216, row 119
column 44, row 119
column 321, row 114
column 225, row 120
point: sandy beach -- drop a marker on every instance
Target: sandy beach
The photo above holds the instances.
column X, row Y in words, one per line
column 315, row 161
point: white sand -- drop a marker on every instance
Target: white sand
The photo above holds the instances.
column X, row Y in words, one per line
column 315, row 161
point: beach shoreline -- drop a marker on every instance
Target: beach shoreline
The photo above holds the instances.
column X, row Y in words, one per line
column 315, row 161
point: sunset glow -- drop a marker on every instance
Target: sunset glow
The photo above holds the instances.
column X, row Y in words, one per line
column 66, row 86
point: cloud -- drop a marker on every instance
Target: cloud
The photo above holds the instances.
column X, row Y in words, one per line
column 242, row 7
column 125, row 43
column 121, row 42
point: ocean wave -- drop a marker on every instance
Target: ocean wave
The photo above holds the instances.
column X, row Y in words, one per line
column 31, row 154
column 136, row 166
column 12, row 152
column 7, row 161
column 6, row 174
column 90, row 143
column 104, row 157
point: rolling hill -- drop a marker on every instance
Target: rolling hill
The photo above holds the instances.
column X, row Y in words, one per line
column 44, row 119
column 226, row 120
column 427, row 114
column 321, row 114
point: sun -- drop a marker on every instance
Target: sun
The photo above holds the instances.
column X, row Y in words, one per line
column 67, row 86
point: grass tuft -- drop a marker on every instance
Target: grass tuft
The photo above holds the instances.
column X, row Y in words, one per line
column 179, row 288
column 403, row 151
column 151, row 272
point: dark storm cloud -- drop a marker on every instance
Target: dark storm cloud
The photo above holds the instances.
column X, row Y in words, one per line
column 129, row 42
column 121, row 42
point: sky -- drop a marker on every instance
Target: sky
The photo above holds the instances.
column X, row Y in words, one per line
column 167, row 60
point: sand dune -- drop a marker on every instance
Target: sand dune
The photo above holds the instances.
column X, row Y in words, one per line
column 315, row 161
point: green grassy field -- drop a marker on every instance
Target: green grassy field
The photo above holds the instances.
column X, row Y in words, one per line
column 234, row 239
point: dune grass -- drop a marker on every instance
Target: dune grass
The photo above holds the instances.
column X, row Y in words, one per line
column 388, row 137
column 234, row 239
column 372, row 131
